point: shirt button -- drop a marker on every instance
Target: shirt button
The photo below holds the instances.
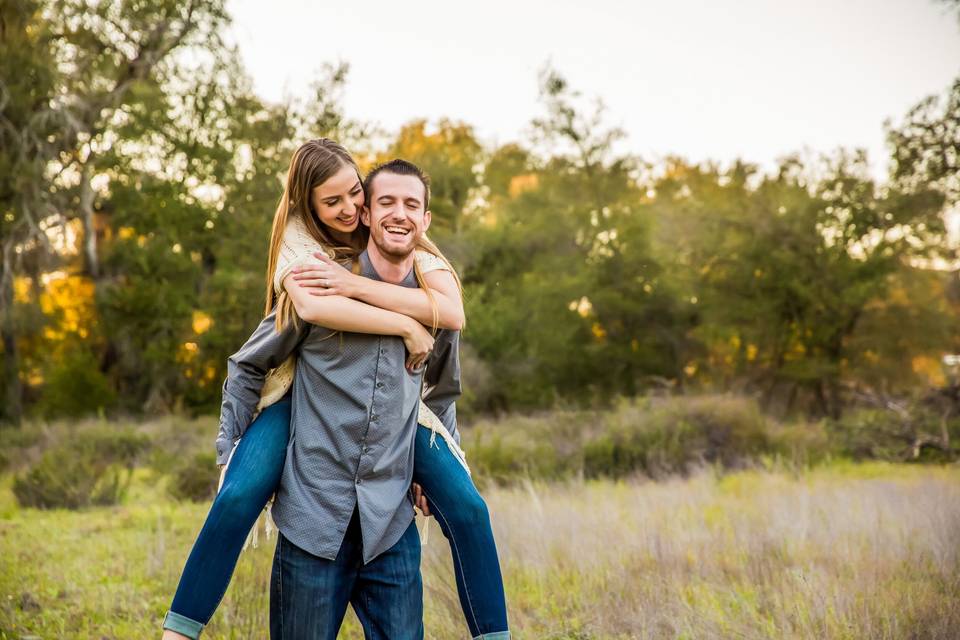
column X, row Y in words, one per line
column 366, row 449
column 379, row 385
column 373, row 417
column 359, row 480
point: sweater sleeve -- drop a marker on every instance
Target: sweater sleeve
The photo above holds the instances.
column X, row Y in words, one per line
column 429, row 262
column 296, row 248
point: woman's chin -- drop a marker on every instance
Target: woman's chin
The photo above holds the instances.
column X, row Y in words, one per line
column 342, row 227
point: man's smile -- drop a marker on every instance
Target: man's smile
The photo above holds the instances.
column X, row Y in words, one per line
column 399, row 232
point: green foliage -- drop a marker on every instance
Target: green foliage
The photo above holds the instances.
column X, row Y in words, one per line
column 677, row 436
column 589, row 274
column 75, row 387
column 654, row 437
column 92, row 467
column 879, row 434
column 195, row 479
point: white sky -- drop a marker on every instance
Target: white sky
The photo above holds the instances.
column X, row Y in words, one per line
column 698, row 78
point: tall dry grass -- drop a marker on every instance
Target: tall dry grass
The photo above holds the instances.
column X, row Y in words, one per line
column 848, row 552
column 841, row 552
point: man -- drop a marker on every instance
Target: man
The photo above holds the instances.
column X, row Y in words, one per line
column 343, row 506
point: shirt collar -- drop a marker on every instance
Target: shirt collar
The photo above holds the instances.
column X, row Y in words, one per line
column 367, row 271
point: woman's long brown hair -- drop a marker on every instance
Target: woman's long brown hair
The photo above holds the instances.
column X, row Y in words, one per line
column 312, row 164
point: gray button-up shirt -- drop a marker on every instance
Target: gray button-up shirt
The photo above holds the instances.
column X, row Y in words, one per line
column 352, row 427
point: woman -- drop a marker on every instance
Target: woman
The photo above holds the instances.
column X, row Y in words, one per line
column 320, row 209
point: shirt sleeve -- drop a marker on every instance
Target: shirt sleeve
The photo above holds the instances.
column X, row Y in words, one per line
column 246, row 370
column 442, row 380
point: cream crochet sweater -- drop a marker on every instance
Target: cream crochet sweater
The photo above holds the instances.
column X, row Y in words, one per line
column 297, row 248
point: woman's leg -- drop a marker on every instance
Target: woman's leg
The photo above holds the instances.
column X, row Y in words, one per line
column 252, row 477
column 463, row 517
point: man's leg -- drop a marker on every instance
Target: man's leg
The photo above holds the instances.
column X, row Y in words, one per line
column 309, row 595
column 388, row 594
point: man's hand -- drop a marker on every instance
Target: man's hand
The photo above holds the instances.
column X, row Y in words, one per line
column 327, row 278
column 420, row 500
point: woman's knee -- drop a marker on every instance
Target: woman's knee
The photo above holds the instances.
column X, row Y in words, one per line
column 468, row 510
column 239, row 499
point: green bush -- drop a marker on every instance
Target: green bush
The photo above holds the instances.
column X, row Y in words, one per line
column 74, row 387
column 880, row 434
column 675, row 435
column 87, row 468
column 654, row 437
column 195, row 480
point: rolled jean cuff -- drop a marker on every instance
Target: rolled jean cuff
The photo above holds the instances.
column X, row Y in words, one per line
column 496, row 635
column 182, row 625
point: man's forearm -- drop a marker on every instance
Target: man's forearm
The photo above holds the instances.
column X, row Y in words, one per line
column 246, row 370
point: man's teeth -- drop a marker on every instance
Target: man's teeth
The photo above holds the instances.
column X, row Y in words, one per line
column 399, row 230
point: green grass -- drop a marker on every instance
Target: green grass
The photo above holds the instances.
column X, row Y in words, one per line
column 844, row 551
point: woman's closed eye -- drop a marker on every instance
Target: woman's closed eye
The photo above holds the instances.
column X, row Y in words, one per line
column 333, row 201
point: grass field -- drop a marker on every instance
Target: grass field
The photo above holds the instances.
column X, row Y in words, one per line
column 844, row 551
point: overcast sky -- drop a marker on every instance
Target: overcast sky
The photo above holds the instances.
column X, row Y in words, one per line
column 705, row 79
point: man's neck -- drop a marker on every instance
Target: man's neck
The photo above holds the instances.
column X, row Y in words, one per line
column 392, row 269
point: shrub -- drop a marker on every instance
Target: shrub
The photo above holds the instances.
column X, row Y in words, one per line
column 654, row 437
column 674, row 435
column 74, row 386
column 196, row 480
column 887, row 435
column 89, row 468
column 14, row 441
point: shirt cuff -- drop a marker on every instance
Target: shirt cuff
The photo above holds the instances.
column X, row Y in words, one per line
column 224, row 447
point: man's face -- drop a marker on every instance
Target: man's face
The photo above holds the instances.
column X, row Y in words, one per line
column 395, row 213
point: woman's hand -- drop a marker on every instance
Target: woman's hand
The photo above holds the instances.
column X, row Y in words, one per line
column 420, row 500
column 419, row 343
column 327, row 278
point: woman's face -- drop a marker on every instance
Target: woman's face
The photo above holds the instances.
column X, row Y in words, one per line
column 337, row 201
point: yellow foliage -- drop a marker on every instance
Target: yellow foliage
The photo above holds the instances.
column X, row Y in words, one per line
column 70, row 298
column 21, row 289
column 201, row 322
column 751, row 352
column 929, row 368
column 598, row 331
column 522, row 183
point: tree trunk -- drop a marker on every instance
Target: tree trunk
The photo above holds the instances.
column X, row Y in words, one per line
column 86, row 214
column 12, row 409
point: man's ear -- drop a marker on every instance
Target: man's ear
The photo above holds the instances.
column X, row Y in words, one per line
column 365, row 215
column 427, row 217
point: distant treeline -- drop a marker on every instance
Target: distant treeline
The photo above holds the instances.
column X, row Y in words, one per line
column 139, row 175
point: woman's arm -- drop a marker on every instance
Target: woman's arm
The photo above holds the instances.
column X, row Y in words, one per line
column 326, row 278
column 344, row 314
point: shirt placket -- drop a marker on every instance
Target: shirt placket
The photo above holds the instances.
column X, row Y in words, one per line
column 365, row 463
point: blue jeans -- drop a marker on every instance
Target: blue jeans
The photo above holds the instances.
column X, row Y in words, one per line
column 253, row 476
column 463, row 517
column 309, row 595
